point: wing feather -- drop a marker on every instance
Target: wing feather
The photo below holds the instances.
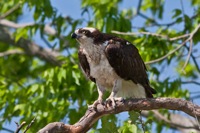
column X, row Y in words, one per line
column 128, row 64
column 84, row 64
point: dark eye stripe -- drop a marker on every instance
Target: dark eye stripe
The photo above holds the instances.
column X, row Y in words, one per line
column 83, row 31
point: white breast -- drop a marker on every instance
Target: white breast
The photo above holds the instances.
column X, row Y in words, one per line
column 103, row 72
column 100, row 68
column 105, row 75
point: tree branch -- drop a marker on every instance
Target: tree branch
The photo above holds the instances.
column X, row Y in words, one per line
column 175, row 121
column 7, row 130
column 10, row 52
column 189, row 55
column 19, row 127
column 30, row 48
column 47, row 29
column 190, row 37
column 92, row 115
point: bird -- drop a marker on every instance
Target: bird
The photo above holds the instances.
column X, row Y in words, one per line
column 113, row 64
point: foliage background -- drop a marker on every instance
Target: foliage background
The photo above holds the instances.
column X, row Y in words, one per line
column 54, row 89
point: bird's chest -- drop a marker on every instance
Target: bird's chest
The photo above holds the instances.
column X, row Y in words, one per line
column 100, row 69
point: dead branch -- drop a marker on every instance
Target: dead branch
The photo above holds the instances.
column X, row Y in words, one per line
column 92, row 115
column 19, row 127
column 29, row 125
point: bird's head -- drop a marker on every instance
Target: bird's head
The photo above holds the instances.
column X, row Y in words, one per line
column 86, row 35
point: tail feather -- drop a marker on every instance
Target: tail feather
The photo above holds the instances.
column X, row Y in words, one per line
column 149, row 91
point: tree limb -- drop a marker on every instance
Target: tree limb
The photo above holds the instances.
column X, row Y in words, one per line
column 30, row 48
column 190, row 37
column 10, row 52
column 175, row 121
column 92, row 115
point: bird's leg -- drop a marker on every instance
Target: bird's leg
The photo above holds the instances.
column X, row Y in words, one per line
column 112, row 98
column 101, row 91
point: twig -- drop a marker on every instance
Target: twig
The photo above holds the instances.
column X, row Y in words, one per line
column 14, row 25
column 195, row 97
column 29, row 125
column 19, row 127
column 139, row 6
column 194, row 59
column 155, row 22
column 168, row 54
column 183, row 11
column 8, row 130
column 189, row 82
column 173, row 120
column 10, row 11
column 10, row 52
column 179, row 37
column 177, row 48
column 189, row 54
column 142, row 124
column 17, row 124
column 152, row 34
column 47, row 27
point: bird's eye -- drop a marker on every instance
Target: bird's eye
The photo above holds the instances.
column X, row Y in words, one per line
column 84, row 32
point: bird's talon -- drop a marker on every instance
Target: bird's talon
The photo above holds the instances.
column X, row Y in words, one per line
column 94, row 105
column 112, row 101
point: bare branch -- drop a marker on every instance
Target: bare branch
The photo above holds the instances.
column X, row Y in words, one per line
column 19, row 127
column 179, row 37
column 10, row 52
column 29, row 125
column 92, row 115
column 189, row 54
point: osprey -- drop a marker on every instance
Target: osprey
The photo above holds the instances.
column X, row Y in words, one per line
column 112, row 63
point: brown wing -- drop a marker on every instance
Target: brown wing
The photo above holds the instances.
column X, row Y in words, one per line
column 84, row 64
column 128, row 64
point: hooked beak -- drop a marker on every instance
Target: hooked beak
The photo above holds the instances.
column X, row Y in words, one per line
column 74, row 35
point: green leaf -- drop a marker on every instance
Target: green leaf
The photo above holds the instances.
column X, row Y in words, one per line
column 177, row 12
column 128, row 128
column 21, row 33
column 76, row 76
column 133, row 116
